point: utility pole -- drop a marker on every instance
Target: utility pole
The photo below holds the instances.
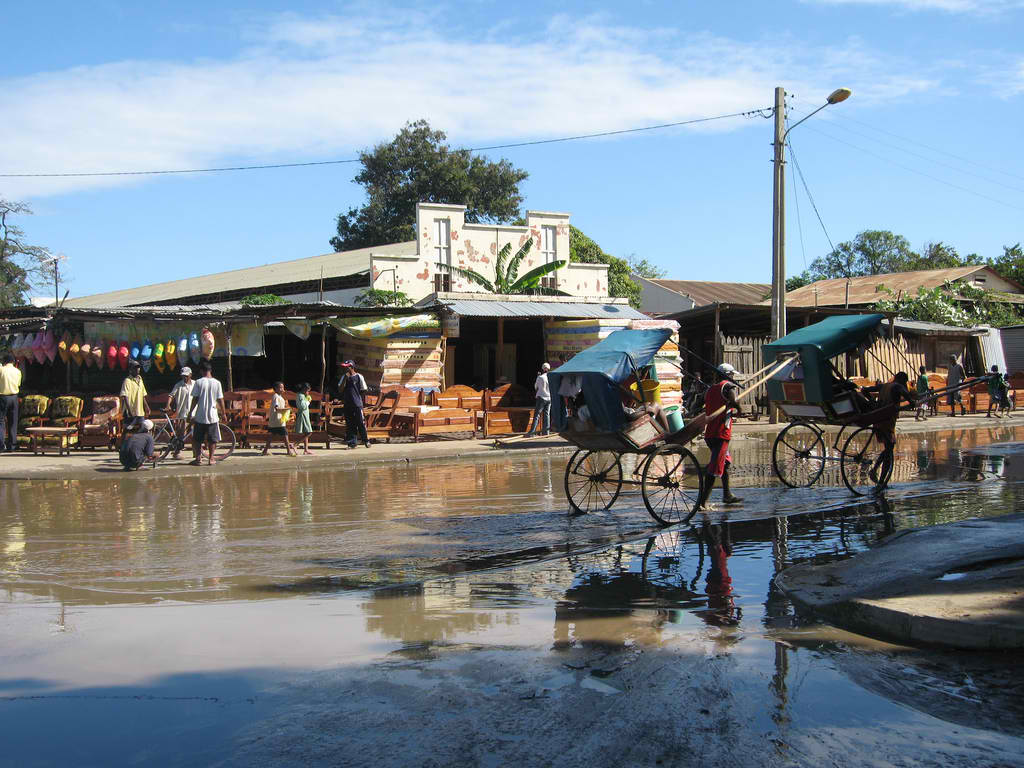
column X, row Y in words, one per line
column 778, row 329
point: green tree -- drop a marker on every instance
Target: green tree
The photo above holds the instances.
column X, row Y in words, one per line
column 1010, row 264
column 262, row 300
column 374, row 297
column 21, row 264
column 620, row 283
column 506, row 273
column 872, row 252
column 644, row 268
column 798, row 281
column 959, row 304
column 417, row 165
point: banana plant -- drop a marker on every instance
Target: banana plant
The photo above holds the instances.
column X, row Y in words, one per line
column 506, row 274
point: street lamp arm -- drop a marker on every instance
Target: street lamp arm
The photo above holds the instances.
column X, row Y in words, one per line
column 838, row 95
column 794, row 125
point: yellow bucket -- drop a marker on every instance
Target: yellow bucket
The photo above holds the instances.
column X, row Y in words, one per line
column 652, row 390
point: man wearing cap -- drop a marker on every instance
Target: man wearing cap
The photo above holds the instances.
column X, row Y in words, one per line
column 133, row 396
column 351, row 390
column 181, row 400
column 137, row 447
column 718, row 433
column 10, row 385
column 542, row 404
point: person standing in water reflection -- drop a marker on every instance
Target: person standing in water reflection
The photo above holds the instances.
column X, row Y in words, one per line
column 352, row 389
column 718, row 433
column 542, row 404
column 207, row 405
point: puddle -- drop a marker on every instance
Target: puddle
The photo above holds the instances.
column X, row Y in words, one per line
column 231, row 618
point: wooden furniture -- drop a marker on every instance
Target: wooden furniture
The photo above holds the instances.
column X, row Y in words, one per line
column 444, row 421
column 103, row 425
column 978, row 399
column 456, row 398
column 257, row 416
column 62, row 437
column 386, row 417
column 234, row 413
column 32, row 410
column 507, row 410
column 935, row 381
column 1016, row 383
column 65, row 413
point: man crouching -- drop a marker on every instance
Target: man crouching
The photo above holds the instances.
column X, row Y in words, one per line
column 137, row 447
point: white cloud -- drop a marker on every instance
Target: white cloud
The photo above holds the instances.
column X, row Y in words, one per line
column 949, row 6
column 322, row 88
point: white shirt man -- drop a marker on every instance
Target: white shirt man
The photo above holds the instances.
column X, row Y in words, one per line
column 542, row 404
column 181, row 394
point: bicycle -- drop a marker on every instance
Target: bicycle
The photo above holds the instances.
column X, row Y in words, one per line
column 169, row 440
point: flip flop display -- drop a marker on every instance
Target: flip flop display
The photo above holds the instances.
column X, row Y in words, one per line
column 206, row 339
column 85, row 352
column 171, row 354
column 123, row 353
column 62, row 347
column 158, row 356
column 111, row 354
column 75, row 350
column 49, row 346
column 182, row 351
column 193, row 347
column 146, row 355
column 134, row 350
column 97, row 355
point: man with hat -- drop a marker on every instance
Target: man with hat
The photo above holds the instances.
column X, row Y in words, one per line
column 351, row 391
column 180, row 401
column 133, row 396
column 542, row 404
column 137, row 447
column 718, row 433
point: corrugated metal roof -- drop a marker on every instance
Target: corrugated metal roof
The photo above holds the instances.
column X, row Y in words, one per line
column 865, row 290
column 704, row 293
column 482, row 308
column 927, row 328
column 294, row 271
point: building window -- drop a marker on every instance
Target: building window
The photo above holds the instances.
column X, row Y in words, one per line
column 549, row 252
column 442, row 254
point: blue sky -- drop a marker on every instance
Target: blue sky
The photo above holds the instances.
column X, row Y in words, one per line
column 928, row 146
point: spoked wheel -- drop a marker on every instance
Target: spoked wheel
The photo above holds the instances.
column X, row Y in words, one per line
column 799, row 455
column 671, row 484
column 165, row 443
column 862, row 463
column 593, row 480
column 225, row 446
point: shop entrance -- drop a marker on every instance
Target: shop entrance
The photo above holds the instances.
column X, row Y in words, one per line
column 472, row 359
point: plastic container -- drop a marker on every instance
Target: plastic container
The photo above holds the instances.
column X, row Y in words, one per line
column 674, row 415
column 651, row 392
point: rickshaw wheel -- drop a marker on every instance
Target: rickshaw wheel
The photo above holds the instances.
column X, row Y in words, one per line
column 798, row 455
column 593, row 480
column 671, row 484
column 861, row 464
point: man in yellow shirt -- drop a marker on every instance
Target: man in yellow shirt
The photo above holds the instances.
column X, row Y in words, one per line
column 133, row 397
column 10, row 385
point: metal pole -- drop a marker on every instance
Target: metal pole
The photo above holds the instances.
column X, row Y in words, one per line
column 778, row 220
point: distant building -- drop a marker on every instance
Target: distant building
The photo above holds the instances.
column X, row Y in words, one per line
column 867, row 290
column 663, row 297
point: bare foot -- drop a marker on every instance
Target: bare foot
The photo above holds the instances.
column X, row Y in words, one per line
column 307, row 453
column 212, row 461
column 266, row 452
column 196, row 463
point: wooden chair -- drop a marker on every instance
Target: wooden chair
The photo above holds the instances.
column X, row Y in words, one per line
column 387, row 417
column 65, row 411
column 507, row 410
column 936, row 381
column 102, row 426
column 32, row 410
column 979, row 398
column 234, row 415
column 1016, row 384
column 257, row 415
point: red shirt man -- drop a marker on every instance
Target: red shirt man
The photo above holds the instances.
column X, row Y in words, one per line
column 718, row 433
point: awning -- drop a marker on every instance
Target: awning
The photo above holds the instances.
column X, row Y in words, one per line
column 567, row 310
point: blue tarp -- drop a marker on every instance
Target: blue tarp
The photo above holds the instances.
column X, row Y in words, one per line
column 601, row 369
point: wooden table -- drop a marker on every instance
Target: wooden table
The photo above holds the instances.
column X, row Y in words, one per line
column 38, row 437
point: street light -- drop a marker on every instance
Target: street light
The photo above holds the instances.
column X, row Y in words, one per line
column 779, row 204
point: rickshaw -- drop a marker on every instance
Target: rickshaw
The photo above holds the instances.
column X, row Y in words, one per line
column 814, row 394
column 668, row 474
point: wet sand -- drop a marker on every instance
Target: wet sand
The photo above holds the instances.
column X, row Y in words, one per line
column 452, row 613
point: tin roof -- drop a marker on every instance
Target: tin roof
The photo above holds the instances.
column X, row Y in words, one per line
column 704, row 293
column 866, row 289
column 562, row 309
column 327, row 266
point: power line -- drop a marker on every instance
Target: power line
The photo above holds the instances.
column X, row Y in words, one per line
column 807, row 190
column 844, row 116
column 931, row 159
column 919, row 173
column 747, row 113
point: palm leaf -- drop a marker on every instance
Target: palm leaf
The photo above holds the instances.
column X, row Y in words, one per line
column 512, row 272
column 469, row 274
column 499, row 266
column 542, row 291
column 535, row 274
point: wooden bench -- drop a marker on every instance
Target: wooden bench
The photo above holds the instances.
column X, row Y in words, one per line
column 507, row 410
column 387, row 417
column 444, row 421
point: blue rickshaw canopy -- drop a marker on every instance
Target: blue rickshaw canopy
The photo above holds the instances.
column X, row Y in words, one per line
column 600, row 369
